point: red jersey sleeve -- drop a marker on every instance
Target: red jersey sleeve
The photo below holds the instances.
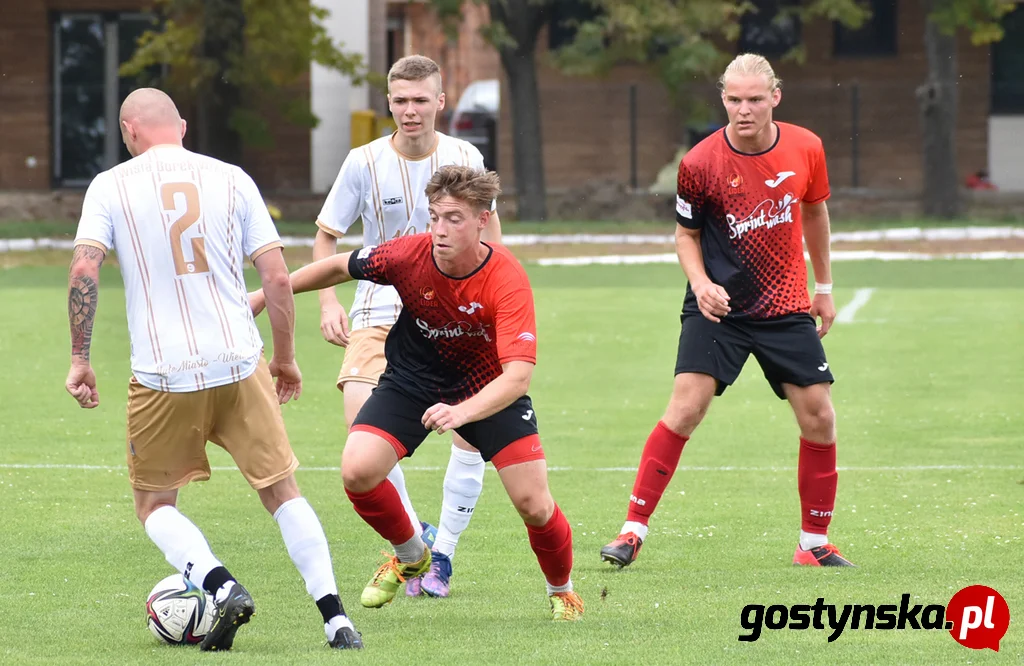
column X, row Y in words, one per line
column 817, row 188
column 379, row 263
column 515, row 322
column 689, row 196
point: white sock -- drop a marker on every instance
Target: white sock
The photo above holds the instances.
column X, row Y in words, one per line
column 397, row 478
column 411, row 550
column 559, row 588
column 638, row 529
column 337, row 622
column 808, row 540
column 183, row 545
column 307, row 546
column 463, row 482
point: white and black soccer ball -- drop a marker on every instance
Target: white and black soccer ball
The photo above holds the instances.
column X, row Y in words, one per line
column 179, row 613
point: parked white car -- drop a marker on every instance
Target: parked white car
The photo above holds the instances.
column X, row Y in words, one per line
column 476, row 118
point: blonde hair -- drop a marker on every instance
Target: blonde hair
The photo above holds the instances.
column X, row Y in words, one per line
column 476, row 187
column 414, row 68
column 751, row 64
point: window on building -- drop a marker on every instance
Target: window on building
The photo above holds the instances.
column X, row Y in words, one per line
column 87, row 91
column 1008, row 66
column 769, row 30
column 876, row 37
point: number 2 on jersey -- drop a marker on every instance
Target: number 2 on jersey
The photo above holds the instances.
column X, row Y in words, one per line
column 188, row 218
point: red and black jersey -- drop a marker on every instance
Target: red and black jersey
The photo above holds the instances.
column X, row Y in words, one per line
column 747, row 207
column 453, row 334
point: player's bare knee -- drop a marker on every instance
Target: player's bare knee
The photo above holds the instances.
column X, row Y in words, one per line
column 358, row 477
column 535, row 508
column 818, row 422
column 145, row 508
column 276, row 494
column 684, row 415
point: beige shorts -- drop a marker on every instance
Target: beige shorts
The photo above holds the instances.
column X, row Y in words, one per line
column 168, row 432
column 364, row 357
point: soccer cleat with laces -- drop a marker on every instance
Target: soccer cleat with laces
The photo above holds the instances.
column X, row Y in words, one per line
column 566, row 606
column 623, row 551
column 346, row 638
column 821, row 556
column 414, row 586
column 383, row 586
column 234, row 611
column 437, row 583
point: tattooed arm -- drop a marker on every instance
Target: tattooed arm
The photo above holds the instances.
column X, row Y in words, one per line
column 83, row 294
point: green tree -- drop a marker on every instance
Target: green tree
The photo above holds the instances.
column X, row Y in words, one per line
column 513, row 31
column 235, row 62
column 937, row 96
column 682, row 40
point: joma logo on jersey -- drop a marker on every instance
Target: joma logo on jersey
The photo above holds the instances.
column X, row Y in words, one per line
column 392, row 201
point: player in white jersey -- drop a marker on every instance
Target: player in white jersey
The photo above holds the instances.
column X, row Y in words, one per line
column 383, row 182
column 181, row 224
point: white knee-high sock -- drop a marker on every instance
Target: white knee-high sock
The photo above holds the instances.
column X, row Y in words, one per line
column 183, row 545
column 397, row 478
column 463, row 482
column 307, row 546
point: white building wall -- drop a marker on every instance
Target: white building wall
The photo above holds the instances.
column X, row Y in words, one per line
column 1006, row 152
column 333, row 97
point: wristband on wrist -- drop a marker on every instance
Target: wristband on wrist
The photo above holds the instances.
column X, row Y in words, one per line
column 824, row 289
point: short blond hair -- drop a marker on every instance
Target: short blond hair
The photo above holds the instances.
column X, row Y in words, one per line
column 414, row 68
column 751, row 64
column 476, row 187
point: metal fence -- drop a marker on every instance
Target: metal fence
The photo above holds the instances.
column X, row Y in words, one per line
column 593, row 131
column 626, row 132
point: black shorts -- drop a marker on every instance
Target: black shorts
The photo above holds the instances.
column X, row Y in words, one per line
column 787, row 348
column 396, row 415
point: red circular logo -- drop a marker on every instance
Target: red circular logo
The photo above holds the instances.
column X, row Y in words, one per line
column 980, row 617
column 427, row 293
column 735, row 180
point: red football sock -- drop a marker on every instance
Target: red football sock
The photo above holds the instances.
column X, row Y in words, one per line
column 657, row 465
column 552, row 544
column 382, row 509
column 816, row 479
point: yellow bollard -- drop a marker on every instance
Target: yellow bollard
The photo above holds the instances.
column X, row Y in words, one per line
column 385, row 126
column 363, row 127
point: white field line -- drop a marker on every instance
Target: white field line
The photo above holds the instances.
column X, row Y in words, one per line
column 897, row 234
column 837, row 255
column 849, row 311
column 729, row 468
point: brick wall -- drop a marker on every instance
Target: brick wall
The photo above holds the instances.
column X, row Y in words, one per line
column 469, row 58
column 585, row 129
column 584, row 124
column 818, row 95
column 26, row 66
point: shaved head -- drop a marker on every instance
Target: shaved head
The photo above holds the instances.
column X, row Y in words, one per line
column 148, row 118
column 150, row 107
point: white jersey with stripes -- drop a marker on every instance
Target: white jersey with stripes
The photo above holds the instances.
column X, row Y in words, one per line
column 387, row 189
column 182, row 224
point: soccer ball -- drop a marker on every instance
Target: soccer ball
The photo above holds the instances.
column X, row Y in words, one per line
column 179, row 612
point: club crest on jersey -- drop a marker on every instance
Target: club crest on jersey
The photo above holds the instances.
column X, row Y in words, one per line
column 428, row 297
column 392, row 201
column 735, row 180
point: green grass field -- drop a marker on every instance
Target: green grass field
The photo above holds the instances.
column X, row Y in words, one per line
column 929, row 396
